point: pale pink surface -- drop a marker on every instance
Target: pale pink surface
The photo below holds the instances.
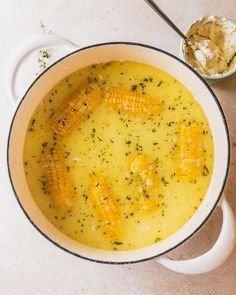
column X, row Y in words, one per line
column 29, row 264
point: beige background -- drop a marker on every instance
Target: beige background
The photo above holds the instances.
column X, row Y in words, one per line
column 29, row 264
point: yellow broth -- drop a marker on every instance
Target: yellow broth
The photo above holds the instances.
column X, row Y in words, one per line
column 107, row 142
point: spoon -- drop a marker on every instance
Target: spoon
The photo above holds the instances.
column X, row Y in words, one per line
column 157, row 9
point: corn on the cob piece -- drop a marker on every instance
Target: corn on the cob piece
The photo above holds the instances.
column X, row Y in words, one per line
column 190, row 162
column 128, row 101
column 75, row 110
column 142, row 166
column 145, row 205
column 58, row 181
column 106, row 206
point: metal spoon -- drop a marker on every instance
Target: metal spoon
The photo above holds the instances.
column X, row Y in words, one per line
column 157, row 9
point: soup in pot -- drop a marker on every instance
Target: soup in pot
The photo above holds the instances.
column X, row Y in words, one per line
column 118, row 155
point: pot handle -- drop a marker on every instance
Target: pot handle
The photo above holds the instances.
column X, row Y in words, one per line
column 17, row 55
column 216, row 255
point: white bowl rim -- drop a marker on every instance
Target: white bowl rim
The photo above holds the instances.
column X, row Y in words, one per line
column 223, row 180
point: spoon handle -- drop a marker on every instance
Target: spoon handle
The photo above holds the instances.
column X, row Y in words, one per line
column 157, row 9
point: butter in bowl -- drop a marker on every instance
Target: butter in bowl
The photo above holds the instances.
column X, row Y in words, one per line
column 211, row 47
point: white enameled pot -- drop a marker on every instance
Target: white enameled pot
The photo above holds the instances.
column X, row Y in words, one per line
column 76, row 59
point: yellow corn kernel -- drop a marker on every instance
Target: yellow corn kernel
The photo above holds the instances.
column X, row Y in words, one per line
column 75, row 110
column 190, row 162
column 58, row 181
column 128, row 101
column 145, row 205
column 106, row 207
column 144, row 169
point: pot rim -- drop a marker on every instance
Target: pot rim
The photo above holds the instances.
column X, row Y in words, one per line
column 223, row 180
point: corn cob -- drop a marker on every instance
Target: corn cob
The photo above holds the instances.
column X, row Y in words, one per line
column 75, row 110
column 106, row 206
column 144, row 169
column 127, row 101
column 146, row 205
column 59, row 184
column 190, row 162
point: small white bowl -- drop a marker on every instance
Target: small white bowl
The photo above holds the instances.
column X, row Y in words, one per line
column 209, row 78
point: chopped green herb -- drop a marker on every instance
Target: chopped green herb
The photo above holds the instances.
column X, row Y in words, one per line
column 134, row 87
column 117, row 243
column 157, row 240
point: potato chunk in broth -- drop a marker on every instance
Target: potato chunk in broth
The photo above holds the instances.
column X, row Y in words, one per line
column 118, row 155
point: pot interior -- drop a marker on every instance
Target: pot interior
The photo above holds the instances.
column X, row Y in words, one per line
column 104, row 53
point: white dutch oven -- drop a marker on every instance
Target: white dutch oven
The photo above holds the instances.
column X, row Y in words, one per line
column 133, row 52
